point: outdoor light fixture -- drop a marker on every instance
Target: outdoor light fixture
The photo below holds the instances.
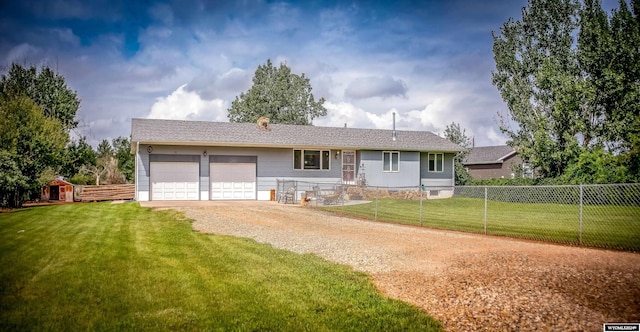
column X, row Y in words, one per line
column 338, row 154
column 204, row 153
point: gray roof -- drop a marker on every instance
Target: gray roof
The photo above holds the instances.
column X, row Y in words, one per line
column 489, row 154
column 154, row 131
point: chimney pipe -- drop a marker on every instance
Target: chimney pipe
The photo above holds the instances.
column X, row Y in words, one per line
column 393, row 134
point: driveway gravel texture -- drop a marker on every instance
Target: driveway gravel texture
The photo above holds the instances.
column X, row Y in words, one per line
column 469, row 282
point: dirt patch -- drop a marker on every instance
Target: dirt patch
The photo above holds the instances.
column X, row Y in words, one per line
column 469, row 282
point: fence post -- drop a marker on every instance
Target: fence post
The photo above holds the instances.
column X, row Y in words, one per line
column 420, row 189
column 343, row 191
column 581, row 200
column 376, row 210
column 485, row 210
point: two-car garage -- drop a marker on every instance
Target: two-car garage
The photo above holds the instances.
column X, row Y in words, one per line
column 177, row 177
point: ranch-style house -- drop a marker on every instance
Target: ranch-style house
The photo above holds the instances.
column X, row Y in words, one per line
column 201, row 160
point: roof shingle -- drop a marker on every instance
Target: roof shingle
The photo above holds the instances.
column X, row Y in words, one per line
column 488, row 154
column 181, row 132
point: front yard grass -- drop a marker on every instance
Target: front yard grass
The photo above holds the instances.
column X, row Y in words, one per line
column 122, row 267
column 606, row 226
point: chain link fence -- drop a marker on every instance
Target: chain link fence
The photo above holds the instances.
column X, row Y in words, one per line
column 604, row 216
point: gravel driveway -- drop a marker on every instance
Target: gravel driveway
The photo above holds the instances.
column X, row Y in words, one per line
column 468, row 282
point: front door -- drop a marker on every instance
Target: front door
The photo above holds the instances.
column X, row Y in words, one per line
column 349, row 167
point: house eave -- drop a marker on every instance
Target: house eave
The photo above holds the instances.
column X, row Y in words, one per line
column 507, row 156
column 282, row 146
column 484, row 163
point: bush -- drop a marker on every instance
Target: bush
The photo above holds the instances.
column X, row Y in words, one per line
column 595, row 167
column 82, row 179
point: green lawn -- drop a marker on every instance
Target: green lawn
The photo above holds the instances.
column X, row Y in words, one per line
column 606, row 226
column 121, row 267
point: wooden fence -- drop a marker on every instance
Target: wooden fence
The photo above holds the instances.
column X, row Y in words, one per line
column 112, row 192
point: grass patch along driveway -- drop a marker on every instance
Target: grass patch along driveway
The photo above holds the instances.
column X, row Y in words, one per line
column 605, row 226
column 467, row 281
column 122, row 267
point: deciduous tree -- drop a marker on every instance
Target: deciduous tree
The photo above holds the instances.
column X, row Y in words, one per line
column 37, row 110
column 570, row 76
column 280, row 95
column 537, row 74
column 46, row 88
column 31, row 143
column 457, row 135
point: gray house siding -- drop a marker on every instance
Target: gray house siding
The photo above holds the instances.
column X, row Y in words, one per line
column 143, row 172
column 436, row 179
column 277, row 163
column 408, row 169
column 271, row 164
column 447, row 172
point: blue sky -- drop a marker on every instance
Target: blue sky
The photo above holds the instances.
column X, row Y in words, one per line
column 428, row 61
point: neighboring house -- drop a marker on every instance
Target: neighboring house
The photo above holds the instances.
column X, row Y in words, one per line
column 57, row 190
column 491, row 162
column 198, row 160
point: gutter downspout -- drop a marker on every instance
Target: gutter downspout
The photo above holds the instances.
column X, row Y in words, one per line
column 135, row 176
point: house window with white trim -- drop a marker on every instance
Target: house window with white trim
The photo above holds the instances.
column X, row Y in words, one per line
column 436, row 162
column 311, row 159
column 391, row 161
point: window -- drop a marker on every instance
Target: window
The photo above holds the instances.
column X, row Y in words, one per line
column 436, row 162
column 390, row 161
column 311, row 159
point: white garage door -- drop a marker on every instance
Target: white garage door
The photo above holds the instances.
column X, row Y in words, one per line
column 174, row 181
column 233, row 180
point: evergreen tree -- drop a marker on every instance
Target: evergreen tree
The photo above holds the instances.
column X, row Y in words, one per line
column 122, row 147
column 78, row 153
column 104, row 149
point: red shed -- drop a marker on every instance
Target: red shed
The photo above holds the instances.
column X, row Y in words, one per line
column 58, row 190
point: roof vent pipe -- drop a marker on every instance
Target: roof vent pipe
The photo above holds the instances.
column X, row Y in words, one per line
column 393, row 134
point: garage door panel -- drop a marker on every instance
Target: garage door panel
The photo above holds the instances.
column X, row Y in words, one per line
column 233, row 180
column 174, row 180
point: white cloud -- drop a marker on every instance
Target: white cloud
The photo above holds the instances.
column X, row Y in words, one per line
column 20, row 52
column 492, row 137
column 351, row 55
column 383, row 87
column 224, row 86
column 385, row 120
column 341, row 113
column 66, row 35
column 188, row 105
